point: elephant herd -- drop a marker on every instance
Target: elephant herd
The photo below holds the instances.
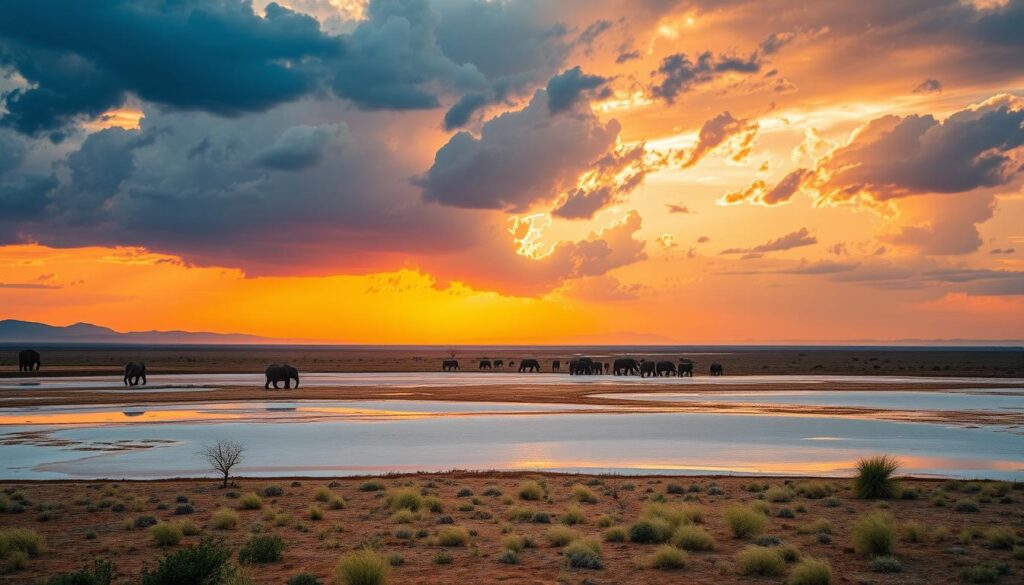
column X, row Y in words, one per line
column 585, row 366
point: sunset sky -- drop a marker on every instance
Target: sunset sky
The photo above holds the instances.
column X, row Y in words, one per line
column 516, row 171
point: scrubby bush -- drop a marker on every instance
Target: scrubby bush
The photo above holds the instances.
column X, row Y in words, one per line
column 184, row 509
column 316, row 513
column 261, row 549
column 224, row 519
column 433, row 504
column 508, row 557
column 464, row 493
column 744, row 522
column 101, row 572
column 967, row 506
column 650, row 530
column 363, row 567
column 322, row 495
column 374, row 485
column 22, row 540
column 443, row 558
column 778, row 494
column 615, row 534
column 304, row 579
column 814, row 490
column 573, row 515
column 404, row 517
column 453, row 536
column 560, row 535
column 760, row 561
column 667, row 556
column 188, row 527
column 404, row 499
column 886, row 564
column 144, row 521
column 166, row 534
column 811, row 572
column 515, row 542
column 530, row 491
column 874, row 478
column 583, row 554
column 250, row 501
column 583, row 494
column 272, row 491
column 693, row 538
column 912, row 531
column 206, row 562
column 1000, row 537
column 873, row 534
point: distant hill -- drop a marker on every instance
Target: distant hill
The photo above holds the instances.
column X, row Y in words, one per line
column 14, row 331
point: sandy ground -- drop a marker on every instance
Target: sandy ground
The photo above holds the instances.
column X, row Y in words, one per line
column 84, row 525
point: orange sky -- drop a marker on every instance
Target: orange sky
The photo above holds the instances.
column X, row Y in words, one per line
column 368, row 241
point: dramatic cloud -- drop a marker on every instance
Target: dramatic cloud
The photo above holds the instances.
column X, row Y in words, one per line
column 759, row 193
column 716, row 131
column 301, row 147
column 609, row 179
column 677, row 74
column 566, row 88
column 797, row 239
column 929, row 86
column 520, row 159
column 941, row 224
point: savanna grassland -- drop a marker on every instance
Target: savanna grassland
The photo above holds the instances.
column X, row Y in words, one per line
column 521, row 528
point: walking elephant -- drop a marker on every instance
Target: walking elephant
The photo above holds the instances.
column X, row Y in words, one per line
column 685, row 368
column 28, row 360
column 556, row 365
column 133, row 372
column 281, row 373
column 625, row 367
column 717, row 370
column 529, row 365
column 450, row 365
column 485, row 364
column 665, row 369
column 499, row 363
column 582, row 366
column 648, row 368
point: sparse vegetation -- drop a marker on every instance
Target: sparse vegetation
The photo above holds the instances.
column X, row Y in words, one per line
column 404, row 499
column 874, row 535
column 583, row 494
column 530, row 491
column 206, row 562
column 744, row 522
column 224, row 519
column 886, row 564
column 223, row 456
column 874, row 478
column 166, row 534
column 453, row 536
column 261, row 549
column 363, row 567
column 693, row 538
column 760, row 561
column 811, row 572
column 583, row 554
column 560, row 535
column 250, row 501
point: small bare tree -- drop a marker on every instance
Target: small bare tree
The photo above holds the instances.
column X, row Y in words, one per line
column 222, row 456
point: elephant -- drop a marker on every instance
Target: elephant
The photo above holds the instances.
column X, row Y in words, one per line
column 529, row 365
column 685, row 368
column 511, row 363
column 450, row 365
column 717, row 370
column 665, row 369
column 485, row 364
column 281, row 373
column 648, row 368
column 625, row 367
column 581, row 366
column 556, row 366
column 133, row 371
column 499, row 363
column 28, row 360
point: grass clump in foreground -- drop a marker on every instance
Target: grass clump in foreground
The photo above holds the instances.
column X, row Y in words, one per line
column 659, row 521
column 583, row 494
column 693, row 538
column 811, row 572
column 166, row 534
column 101, row 572
column 21, row 540
column 206, row 562
column 261, row 549
column 250, row 501
column 874, row 478
column 453, row 536
column 363, row 567
column 886, row 564
column 530, row 491
column 744, row 521
column 760, row 561
column 584, row 553
column 405, row 499
column 874, row 534
column 224, row 519
column 667, row 556
column 560, row 535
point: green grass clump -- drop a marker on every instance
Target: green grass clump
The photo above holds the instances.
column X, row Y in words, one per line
column 886, row 564
column 404, row 499
column 363, row 567
column 1000, row 537
column 778, row 494
column 573, row 515
column 759, row 561
column 967, row 506
column 814, row 490
column 250, row 501
column 101, row 572
column 336, row 503
column 166, row 534
column 323, row 495
column 583, row 494
column 521, row 514
column 373, row 485
column 583, row 554
column 261, row 549
column 874, row 534
column 811, row 572
column 744, row 522
column 615, row 534
column 874, row 478
column 453, row 536
column 24, row 540
column 433, row 504
column 693, row 538
column 674, row 514
column 206, row 562
column 404, row 516
column 912, row 531
column 508, row 557
column 516, row 542
column 224, row 519
column 530, row 491
column 304, row 579
column 560, row 535
column 650, row 530
column 316, row 513
column 443, row 558
column 667, row 556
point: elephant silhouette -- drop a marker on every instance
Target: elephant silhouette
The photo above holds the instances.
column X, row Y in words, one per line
column 499, row 363
column 485, row 364
column 556, row 365
column 625, row 367
column 685, row 368
column 717, row 370
column 529, row 365
column 665, row 369
column 582, row 366
column 28, row 360
column 133, row 372
column 450, row 365
column 281, row 373
column 648, row 369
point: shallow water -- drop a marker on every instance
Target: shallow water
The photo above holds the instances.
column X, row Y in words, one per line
column 1006, row 400
column 200, row 382
column 359, row 437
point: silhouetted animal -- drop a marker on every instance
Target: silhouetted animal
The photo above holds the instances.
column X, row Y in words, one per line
column 450, row 365
column 625, row 367
column 648, row 369
column 133, row 372
column 717, row 370
column 485, row 364
column 28, row 360
column 607, row 368
column 529, row 366
column 511, row 363
column 582, row 366
column 499, row 363
column 281, row 373
column 665, row 369
column 685, row 368
column 556, row 365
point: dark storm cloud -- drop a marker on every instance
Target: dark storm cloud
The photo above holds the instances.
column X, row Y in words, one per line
column 678, row 74
column 566, row 88
column 301, row 147
column 212, row 56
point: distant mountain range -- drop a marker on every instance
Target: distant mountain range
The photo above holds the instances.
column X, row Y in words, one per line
column 14, row 331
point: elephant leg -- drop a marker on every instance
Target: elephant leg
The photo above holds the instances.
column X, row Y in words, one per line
column 267, row 385
column 143, row 379
column 287, row 383
column 275, row 385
